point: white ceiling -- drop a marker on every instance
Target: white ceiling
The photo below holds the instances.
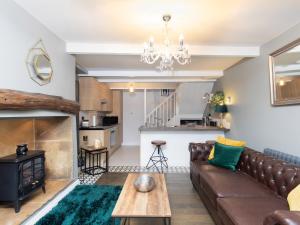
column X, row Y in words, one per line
column 203, row 22
column 108, row 34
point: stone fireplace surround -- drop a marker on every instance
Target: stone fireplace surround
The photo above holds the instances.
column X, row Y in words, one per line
column 53, row 134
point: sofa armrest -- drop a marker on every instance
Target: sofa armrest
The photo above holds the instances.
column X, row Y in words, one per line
column 283, row 217
column 200, row 151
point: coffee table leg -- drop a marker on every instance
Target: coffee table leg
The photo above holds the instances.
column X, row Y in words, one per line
column 167, row 221
column 112, row 221
column 124, row 221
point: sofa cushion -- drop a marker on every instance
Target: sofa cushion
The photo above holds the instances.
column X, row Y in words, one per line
column 250, row 211
column 226, row 156
column 226, row 141
column 199, row 166
column 231, row 184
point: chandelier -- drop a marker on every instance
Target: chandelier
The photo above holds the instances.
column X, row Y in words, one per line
column 167, row 54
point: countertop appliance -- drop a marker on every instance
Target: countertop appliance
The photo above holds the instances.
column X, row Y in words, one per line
column 84, row 122
column 110, row 120
column 190, row 122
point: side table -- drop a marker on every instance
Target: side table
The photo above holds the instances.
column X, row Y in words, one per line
column 92, row 154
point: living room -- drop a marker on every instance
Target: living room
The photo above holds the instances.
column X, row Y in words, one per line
column 150, row 112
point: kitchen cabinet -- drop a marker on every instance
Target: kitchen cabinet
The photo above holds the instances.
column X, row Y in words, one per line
column 88, row 137
column 119, row 136
column 89, row 98
column 92, row 135
column 106, row 97
column 106, row 137
column 117, row 110
column 94, row 96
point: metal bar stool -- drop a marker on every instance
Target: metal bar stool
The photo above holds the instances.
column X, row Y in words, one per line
column 157, row 158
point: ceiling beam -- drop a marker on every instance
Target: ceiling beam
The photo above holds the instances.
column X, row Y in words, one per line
column 153, row 73
column 141, row 86
column 153, row 80
column 136, row 49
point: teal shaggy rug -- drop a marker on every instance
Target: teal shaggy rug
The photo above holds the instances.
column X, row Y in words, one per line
column 86, row 204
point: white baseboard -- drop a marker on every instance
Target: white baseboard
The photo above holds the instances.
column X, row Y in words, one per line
column 36, row 216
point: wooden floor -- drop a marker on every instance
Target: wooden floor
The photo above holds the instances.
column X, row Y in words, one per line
column 7, row 212
column 186, row 206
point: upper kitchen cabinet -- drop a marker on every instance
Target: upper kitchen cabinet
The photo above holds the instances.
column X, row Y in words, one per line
column 106, row 98
column 94, row 96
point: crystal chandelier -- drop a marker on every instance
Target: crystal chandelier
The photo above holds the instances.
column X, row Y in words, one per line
column 166, row 54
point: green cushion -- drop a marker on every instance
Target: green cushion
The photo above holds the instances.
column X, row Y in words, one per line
column 226, row 156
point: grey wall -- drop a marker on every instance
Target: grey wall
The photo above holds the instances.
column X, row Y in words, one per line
column 19, row 32
column 190, row 97
column 252, row 117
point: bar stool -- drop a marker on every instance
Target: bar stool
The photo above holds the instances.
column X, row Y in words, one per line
column 158, row 157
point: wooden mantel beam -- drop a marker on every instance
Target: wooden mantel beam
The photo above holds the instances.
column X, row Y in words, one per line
column 21, row 101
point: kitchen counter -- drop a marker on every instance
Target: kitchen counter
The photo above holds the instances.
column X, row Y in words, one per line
column 183, row 128
column 177, row 141
column 98, row 127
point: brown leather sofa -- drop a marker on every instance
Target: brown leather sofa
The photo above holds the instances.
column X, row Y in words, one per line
column 253, row 195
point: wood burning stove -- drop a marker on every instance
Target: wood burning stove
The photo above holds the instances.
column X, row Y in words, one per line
column 21, row 175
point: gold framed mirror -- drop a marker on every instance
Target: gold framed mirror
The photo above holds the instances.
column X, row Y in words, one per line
column 285, row 75
column 39, row 64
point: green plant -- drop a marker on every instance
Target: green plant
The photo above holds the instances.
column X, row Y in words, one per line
column 218, row 98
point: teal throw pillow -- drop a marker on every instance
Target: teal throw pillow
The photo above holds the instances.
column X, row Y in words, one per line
column 226, row 156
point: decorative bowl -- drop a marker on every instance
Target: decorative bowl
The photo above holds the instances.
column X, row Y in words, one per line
column 144, row 183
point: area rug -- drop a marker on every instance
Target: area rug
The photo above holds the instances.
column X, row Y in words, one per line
column 86, row 204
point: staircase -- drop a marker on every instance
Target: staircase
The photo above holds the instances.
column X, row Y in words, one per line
column 163, row 114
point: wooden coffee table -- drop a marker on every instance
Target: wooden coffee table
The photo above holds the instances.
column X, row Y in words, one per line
column 134, row 204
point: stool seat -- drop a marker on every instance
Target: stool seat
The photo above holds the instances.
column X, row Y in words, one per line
column 158, row 142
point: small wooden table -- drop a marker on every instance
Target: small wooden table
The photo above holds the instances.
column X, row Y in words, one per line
column 134, row 204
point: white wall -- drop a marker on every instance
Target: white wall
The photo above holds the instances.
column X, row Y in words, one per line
column 190, row 99
column 19, row 32
column 253, row 117
column 133, row 116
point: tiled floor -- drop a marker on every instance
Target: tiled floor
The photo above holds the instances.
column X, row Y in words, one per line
column 8, row 215
column 127, row 159
column 126, row 156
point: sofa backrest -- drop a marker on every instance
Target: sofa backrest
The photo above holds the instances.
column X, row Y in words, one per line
column 278, row 175
column 292, row 159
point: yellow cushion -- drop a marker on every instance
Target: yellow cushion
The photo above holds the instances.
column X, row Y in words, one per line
column 226, row 141
column 294, row 199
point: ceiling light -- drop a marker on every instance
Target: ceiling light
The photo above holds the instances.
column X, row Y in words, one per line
column 166, row 54
column 281, row 82
column 131, row 88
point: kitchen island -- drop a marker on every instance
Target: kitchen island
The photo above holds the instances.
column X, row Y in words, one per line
column 178, row 139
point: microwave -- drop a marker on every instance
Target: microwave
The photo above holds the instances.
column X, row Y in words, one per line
column 110, row 120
